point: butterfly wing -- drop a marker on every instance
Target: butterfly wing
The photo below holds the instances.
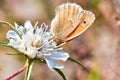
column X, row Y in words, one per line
column 67, row 17
column 85, row 22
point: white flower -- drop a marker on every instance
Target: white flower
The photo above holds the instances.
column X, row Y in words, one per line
column 36, row 42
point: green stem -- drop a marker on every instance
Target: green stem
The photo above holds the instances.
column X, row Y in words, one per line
column 73, row 60
column 61, row 73
column 29, row 69
column 4, row 22
column 7, row 24
column 2, row 43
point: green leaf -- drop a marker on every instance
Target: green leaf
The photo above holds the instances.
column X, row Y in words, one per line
column 61, row 73
column 29, row 69
column 77, row 62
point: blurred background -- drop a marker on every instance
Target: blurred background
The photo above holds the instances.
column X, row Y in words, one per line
column 98, row 48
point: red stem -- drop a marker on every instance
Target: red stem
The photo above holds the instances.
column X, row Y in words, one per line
column 16, row 73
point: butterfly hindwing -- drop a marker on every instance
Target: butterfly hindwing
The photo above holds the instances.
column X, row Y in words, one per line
column 66, row 19
column 85, row 22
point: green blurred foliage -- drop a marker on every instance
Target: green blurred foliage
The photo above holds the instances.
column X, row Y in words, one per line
column 94, row 75
column 1, row 3
column 95, row 3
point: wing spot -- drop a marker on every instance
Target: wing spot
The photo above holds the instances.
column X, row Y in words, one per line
column 84, row 22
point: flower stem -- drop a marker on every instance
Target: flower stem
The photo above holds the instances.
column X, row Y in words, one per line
column 17, row 72
column 84, row 67
column 7, row 23
column 29, row 69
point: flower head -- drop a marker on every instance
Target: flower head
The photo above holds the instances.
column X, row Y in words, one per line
column 36, row 42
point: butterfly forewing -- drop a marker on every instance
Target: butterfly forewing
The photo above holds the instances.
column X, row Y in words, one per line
column 67, row 17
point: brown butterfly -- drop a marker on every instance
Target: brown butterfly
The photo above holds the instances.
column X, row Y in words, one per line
column 70, row 21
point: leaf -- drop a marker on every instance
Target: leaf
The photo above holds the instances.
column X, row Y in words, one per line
column 77, row 62
column 61, row 73
column 29, row 69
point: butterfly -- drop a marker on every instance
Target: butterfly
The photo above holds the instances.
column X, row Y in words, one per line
column 70, row 21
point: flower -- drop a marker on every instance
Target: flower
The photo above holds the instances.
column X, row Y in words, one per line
column 36, row 42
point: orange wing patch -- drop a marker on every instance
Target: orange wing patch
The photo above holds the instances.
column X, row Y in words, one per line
column 79, row 29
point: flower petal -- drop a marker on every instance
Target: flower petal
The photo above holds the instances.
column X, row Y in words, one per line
column 50, row 63
column 59, row 56
column 20, row 29
column 28, row 26
column 12, row 35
